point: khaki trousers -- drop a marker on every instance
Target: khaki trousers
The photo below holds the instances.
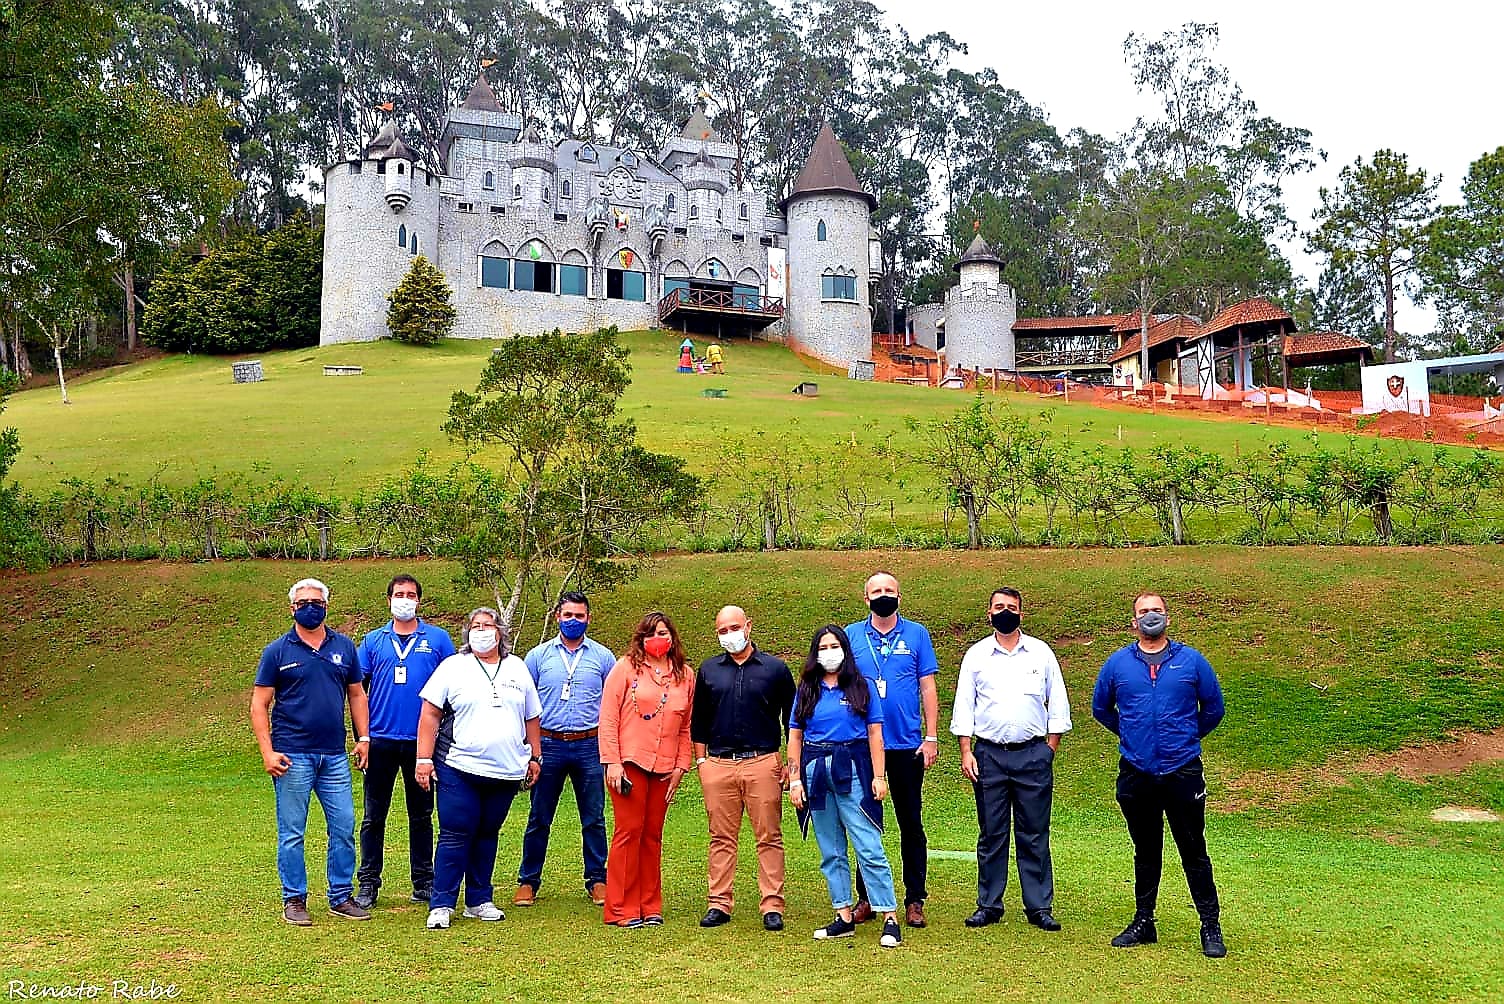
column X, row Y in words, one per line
column 730, row 787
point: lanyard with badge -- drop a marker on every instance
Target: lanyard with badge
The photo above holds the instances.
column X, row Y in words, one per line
column 887, row 650
column 491, row 679
column 399, row 672
column 569, row 668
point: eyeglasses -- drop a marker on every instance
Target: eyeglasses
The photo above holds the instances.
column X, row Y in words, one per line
column 302, row 604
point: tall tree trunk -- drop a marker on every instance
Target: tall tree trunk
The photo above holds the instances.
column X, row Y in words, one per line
column 1388, row 312
column 130, row 306
column 57, row 357
column 21, row 359
column 1143, row 332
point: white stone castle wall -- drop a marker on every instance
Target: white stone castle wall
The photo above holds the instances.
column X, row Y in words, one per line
column 979, row 326
column 362, row 262
column 834, row 330
column 924, row 319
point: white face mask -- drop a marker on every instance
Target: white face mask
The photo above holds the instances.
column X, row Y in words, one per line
column 482, row 639
column 404, row 608
column 733, row 641
column 830, row 659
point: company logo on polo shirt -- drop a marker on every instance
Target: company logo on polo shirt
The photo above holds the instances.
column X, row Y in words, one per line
column 423, row 645
column 285, row 667
column 337, row 659
column 901, row 647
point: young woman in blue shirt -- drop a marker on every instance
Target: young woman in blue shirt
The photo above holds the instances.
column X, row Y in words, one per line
column 839, row 779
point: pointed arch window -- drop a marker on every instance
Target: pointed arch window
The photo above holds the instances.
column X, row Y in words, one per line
column 415, row 242
column 516, row 191
column 820, row 232
column 401, row 167
column 564, row 189
column 490, row 182
column 742, row 212
column 402, row 236
column 671, row 201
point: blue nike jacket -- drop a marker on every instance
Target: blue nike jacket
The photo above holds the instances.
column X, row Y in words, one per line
column 1159, row 717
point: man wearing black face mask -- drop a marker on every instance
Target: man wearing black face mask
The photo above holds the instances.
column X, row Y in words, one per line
column 1161, row 698
column 1011, row 710
column 298, row 714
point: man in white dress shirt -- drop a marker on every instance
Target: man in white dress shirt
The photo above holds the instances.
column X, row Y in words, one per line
column 1011, row 710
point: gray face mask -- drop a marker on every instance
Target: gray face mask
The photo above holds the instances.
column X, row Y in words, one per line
column 1151, row 623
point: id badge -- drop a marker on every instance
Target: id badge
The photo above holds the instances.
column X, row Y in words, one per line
column 399, row 675
column 564, row 695
column 882, row 689
column 497, row 702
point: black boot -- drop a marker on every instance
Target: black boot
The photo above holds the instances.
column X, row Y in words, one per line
column 1212, row 945
column 1140, row 932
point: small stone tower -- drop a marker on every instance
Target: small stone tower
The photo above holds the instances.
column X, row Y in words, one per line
column 979, row 312
column 381, row 210
column 829, row 226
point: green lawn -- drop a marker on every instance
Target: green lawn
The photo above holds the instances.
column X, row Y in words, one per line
column 138, row 836
column 181, row 418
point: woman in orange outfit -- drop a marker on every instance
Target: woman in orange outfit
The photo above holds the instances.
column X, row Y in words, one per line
column 644, row 740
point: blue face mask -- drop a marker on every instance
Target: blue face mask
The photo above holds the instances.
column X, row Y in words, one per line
column 310, row 616
column 573, row 630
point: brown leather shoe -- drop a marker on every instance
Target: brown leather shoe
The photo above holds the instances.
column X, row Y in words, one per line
column 598, row 894
column 295, row 911
column 526, row 896
column 862, row 913
column 350, row 911
column 915, row 915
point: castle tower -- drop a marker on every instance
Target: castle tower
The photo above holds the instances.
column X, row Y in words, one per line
column 829, row 227
column 979, row 312
column 381, row 210
column 533, row 170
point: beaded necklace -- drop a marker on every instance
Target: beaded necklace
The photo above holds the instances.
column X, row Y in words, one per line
column 662, row 699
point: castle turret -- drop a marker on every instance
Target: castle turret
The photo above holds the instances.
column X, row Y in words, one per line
column 533, row 168
column 979, row 312
column 829, row 229
column 381, row 210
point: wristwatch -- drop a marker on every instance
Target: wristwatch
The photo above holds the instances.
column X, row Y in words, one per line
column 536, row 759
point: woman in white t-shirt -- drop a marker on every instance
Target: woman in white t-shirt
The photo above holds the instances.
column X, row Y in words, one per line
column 478, row 742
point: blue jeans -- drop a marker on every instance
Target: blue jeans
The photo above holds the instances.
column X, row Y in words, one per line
column 471, row 811
column 842, row 818
column 326, row 775
column 579, row 762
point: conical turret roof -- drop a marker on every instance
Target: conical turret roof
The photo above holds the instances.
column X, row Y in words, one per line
column 481, row 97
column 698, row 128
column 978, row 252
column 388, row 144
column 827, row 170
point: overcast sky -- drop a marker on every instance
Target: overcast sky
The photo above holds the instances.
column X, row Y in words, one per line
column 1422, row 79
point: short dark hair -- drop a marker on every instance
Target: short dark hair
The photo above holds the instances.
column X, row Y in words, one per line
column 1149, row 592
column 1006, row 591
column 397, row 580
column 573, row 596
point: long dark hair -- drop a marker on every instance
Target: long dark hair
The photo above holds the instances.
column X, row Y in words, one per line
column 677, row 660
column 853, row 685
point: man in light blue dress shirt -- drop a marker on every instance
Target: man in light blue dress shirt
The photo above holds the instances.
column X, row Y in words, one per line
column 1011, row 710
column 570, row 672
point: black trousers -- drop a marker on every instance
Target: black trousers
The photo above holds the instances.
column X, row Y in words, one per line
column 1147, row 801
column 1017, row 784
column 905, row 781
column 388, row 757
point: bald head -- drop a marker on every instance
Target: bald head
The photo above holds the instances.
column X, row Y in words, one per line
column 734, row 631
column 729, row 619
column 880, row 584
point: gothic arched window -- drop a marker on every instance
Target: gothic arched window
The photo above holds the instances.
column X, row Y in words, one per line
column 402, row 236
column 820, row 231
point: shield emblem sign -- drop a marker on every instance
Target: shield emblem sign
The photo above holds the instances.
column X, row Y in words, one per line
column 1396, row 385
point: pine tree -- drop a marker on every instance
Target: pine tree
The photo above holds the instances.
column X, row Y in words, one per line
column 421, row 311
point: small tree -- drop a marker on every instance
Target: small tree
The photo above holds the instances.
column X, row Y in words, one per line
column 421, row 311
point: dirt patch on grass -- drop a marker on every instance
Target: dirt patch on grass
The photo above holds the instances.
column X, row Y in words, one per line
column 1412, row 763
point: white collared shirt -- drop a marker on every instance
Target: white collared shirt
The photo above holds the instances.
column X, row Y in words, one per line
column 1008, row 697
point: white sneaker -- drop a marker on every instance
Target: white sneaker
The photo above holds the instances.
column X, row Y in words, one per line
column 486, row 911
column 438, row 918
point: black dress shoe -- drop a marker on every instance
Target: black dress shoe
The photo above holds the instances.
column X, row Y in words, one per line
column 983, row 917
column 1044, row 920
column 772, row 921
column 1140, row 932
column 1212, row 945
column 715, row 918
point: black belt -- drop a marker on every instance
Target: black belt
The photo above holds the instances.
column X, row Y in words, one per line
column 739, row 754
column 1012, row 746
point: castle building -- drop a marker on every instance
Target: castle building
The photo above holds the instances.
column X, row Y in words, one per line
column 534, row 236
column 974, row 326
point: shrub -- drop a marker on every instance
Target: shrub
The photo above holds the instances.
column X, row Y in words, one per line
column 421, row 310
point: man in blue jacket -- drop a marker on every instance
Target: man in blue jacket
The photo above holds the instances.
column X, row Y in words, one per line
column 1161, row 698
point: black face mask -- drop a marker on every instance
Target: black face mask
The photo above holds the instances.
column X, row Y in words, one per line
column 884, row 606
column 1006, row 621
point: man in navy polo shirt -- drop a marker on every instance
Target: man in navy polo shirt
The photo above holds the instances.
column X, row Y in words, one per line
column 570, row 672
column 1161, row 698
column 397, row 659
column 298, row 714
column 897, row 656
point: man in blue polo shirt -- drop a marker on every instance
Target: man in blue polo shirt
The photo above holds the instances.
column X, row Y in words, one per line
column 298, row 714
column 1161, row 698
column 899, row 658
column 397, row 660
column 570, row 672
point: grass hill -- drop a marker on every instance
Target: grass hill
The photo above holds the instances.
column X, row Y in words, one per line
column 139, row 835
